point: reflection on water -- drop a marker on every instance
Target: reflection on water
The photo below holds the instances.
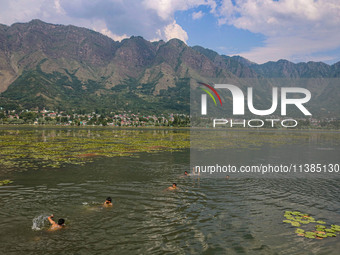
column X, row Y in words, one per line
column 205, row 216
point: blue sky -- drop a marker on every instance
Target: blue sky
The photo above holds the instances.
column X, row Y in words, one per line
column 259, row 30
column 225, row 39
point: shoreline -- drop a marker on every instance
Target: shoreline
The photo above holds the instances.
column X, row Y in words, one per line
column 13, row 126
column 23, row 126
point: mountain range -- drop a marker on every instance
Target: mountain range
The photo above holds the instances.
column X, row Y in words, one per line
column 68, row 67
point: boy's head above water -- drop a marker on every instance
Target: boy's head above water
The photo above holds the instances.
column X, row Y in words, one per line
column 108, row 201
column 61, row 222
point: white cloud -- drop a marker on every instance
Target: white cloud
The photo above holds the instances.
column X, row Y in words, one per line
column 117, row 19
column 100, row 26
column 295, row 49
column 174, row 30
column 197, row 15
column 166, row 8
column 58, row 7
column 295, row 29
column 115, row 37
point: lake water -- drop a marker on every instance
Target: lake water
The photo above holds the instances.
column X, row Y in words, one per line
column 205, row 216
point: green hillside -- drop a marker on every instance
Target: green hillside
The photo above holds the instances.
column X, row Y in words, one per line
column 66, row 67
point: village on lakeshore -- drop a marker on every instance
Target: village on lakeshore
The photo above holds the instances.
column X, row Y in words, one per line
column 126, row 119
column 96, row 118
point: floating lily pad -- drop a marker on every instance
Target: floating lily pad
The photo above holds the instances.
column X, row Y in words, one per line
column 289, row 217
column 295, row 224
column 335, row 228
column 320, row 229
column 321, row 235
column 320, row 232
column 4, row 182
column 297, row 213
column 299, row 230
column 320, row 226
column 310, row 235
column 304, row 221
column 296, row 218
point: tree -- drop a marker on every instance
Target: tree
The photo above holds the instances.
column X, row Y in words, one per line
column 64, row 119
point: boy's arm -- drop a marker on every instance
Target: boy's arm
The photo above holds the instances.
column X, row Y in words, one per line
column 50, row 219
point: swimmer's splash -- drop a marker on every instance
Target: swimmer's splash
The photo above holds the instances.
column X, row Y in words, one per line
column 39, row 222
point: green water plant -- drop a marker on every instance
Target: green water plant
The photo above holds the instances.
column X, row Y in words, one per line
column 310, row 235
column 320, row 226
column 331, row 235
column 296, row 218
column 321, row 235
column 295, row 224
column 304, row 221
column 4, row 182
column 54, row 148
column 299, row 230
column 335, row 228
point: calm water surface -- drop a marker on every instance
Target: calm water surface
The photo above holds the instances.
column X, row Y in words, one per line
column 205, row 216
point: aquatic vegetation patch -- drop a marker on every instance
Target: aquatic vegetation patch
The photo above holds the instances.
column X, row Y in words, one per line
column 316, row 231
column 5, row 182
column 36, row 148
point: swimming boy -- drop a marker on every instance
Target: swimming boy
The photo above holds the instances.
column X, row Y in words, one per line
column 56, row 226
column 108, row 202
column 185, row 174
column 173, row 187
